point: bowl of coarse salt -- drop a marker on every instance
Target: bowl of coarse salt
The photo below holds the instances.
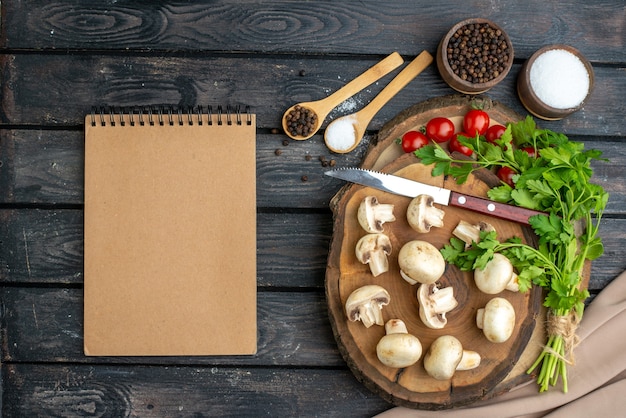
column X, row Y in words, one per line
column 555, row 82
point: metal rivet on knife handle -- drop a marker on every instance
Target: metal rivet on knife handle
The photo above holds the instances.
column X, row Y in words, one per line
column 499, row 210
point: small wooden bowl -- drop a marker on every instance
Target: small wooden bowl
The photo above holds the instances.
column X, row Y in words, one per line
column 531, row 100
column 456, row 82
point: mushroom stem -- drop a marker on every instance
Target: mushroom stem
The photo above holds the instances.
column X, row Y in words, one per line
column 422, row 215
column 443, row 300
column 371, row 315
column 373, row 249
column 434, row 217
column 434, row 303
column 372, row 214
column 469, row 360
column 366, row 304
column 469, row 233
column 513, row 284
column 395, row 326
column 378, row 263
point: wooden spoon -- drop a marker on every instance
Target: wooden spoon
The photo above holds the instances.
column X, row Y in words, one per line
column 345, row 133
column 322, row 107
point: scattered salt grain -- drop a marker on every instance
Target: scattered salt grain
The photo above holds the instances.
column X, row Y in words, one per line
column 340, row 134
column 559, row 79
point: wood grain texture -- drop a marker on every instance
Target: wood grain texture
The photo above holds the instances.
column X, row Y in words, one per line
column 46, row 167
column 57, row 390
column 59, row 58
column 45, row 247
column 290, row 26
column 46, row 325
column 129, row 80
column 412, row 386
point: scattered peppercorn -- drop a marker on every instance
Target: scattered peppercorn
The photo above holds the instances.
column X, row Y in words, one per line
column 302, row 73
column 478, row 52
column 304, row 178
column 285, row 142
column 274, row 131
column 301, row 121
column 332, row 163
column 278, row 152
column 307, row 157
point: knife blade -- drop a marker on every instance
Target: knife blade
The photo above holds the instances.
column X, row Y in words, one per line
column 411, row 188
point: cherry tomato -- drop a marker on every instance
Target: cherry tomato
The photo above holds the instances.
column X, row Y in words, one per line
column 506, row 175
column 413, row 140
column 476, row 121
column 440, row 129
column 494, row 132
column 530, row 151
column 455, row 145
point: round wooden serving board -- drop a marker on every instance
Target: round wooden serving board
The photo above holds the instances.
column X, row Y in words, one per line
column 503, row 365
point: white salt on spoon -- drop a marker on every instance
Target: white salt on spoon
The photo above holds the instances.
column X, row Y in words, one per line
column 344, row 134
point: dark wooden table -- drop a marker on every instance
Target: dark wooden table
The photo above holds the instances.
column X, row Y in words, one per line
column 58, row 58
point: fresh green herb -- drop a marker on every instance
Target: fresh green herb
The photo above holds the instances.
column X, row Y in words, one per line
column 556, row 181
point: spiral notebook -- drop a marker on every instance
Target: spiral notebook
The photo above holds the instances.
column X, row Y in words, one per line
column 170, row 232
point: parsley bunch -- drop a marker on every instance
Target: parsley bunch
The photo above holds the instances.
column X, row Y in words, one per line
column 556, row 181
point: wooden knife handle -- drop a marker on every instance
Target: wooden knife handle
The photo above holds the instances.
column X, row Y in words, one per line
column 489, row 207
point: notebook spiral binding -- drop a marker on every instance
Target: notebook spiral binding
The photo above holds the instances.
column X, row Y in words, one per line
column 169, row 115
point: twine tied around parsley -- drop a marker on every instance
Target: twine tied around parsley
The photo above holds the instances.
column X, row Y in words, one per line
column 564, row 326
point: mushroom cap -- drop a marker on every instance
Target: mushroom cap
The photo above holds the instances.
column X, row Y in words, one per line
column 365, row 304
column 422, row 215
column 497, row 320
column 443, row 356
column 421, row 262
column 434, row 303
column 399, row 350
column 495, row 276
column 373, row 249
column 372, row 214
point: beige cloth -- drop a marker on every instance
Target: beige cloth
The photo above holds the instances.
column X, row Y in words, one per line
column 597, row 383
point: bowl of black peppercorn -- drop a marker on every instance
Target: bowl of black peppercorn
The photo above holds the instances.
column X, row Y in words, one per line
column 475, row 55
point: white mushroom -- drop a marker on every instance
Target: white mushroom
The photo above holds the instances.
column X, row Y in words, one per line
column 422, row 215
column 497, row 320
column 366, row 304
column 469, row 233
column 496, row 276
column 373, row 249
column 373, row 214
column 398, row 348
column 446, row 355
column 420, row 262
column 434, row 304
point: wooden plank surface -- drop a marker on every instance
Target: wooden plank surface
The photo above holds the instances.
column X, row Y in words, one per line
column 46, row 167
column 59, row 58
column 127, row 80
column 304, row 27
column 45, row 247
column 119, row 390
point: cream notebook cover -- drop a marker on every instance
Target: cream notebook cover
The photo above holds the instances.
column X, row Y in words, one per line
column 170, row 234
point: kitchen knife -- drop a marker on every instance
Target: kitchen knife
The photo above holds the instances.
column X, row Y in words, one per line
column 405, row 187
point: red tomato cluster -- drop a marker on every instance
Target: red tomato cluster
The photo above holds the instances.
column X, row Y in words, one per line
column 475, row 122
